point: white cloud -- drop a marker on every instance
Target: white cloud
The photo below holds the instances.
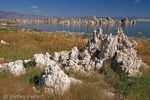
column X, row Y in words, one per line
column 137, row 1
column 34, row 7
column 36, row 11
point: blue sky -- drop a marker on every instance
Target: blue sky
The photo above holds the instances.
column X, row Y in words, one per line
column 101, row 8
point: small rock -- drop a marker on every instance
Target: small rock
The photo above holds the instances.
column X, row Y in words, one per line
column 3, row 42
column 15, row 68
column 108, row 93
column 42, row 60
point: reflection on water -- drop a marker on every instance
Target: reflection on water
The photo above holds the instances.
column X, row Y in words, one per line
column 129, row 29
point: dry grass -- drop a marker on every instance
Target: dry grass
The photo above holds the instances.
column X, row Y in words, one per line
column 25, row 45
column 21, row 86
column 90, row 89
column 13, row 86
column 143, row 50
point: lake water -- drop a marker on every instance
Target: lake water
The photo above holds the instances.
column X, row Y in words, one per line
column 129, row 30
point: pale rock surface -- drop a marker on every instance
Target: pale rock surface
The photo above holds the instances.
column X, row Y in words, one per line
column 108, row 47
column 61, row 56
column 75, row 81
column 5, row 66
column 1, row 68
column 109, row 93
column 73, row 62
column 123, row 40
column 126, row 57
column 117, row 48
column 15, row 68
column 99, row 64
column 3, row 42
column 1, row 59
column 42, row 60
column 55, row 80
column 93, row 44
column 129, row 62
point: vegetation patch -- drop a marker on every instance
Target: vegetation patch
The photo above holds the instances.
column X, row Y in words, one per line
column 23, row 45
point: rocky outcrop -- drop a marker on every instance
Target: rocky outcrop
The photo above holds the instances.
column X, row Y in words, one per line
column 42, row 60
column 128, row 62
column 108, row 47
column 15, row 68
column 61, row 56
column 118, row 50
column 126, row 57
column 101, row 49
column 69, row 59
column 127, row 21
column 55, row 80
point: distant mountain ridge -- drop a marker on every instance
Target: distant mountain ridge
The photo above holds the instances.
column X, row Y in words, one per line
column 3, row 10
column 12, row 15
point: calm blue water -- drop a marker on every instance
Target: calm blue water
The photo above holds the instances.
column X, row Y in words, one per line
column 129, row 30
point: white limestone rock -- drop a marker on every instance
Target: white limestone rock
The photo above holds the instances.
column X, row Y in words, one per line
column 15, row 68
column 1, row 59
column 69, row 59
column 93, row 44
column 86, row 58
column 61, row 56
column 91, row 51
column 42, row 60
column 123, row 41
column 117, row 47
column 55, row 80
column 3, row 42
column 75, row 81
column 71, row 65
column 114, row 48
column 56, row 56
column 0, row 66
column 73, row 62
column 74, row 53
column 126, row 57
column 108, row 47
column 129, row 62
column 99, row 64
column 5, row 66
